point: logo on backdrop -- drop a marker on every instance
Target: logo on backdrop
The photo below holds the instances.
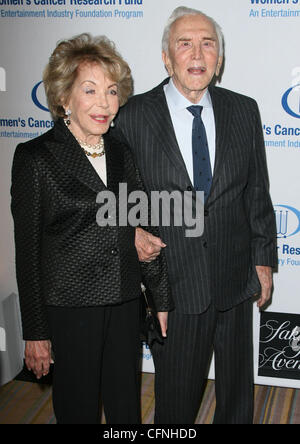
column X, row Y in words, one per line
column 38, row 96
column 291, row 98
column 287, row 221
column 2, row 79
column 279, row 346
column 291, row 101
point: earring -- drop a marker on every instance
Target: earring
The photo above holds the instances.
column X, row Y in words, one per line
column 112, row 124
column 68, row 120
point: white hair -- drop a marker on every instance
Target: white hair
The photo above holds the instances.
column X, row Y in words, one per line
column 182, row 11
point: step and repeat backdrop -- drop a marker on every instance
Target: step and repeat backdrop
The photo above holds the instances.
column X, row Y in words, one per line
column 262, row 60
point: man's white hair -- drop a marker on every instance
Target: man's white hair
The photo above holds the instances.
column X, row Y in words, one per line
column 182, row 11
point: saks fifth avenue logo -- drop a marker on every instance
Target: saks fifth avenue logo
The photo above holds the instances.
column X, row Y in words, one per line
column 2, row 79
column 38, row 96
column 275, row 329
column 291, row 98
column 287, row 221
column 280, row 345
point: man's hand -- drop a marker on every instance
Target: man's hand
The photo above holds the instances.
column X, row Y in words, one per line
column 38, row 357
column 163, row 320
column 148, row 246
column 264, row 274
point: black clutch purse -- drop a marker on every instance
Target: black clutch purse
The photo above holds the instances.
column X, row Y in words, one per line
column 150, row 326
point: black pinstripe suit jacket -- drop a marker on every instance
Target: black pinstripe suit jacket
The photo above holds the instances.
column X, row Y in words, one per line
column 239, row 228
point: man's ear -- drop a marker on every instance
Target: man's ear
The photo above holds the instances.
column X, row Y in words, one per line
column 167, row 63
column 219, row 65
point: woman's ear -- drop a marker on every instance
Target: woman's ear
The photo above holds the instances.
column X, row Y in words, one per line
column 64, row 101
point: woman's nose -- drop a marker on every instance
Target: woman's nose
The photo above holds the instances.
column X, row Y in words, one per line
column 102, row 101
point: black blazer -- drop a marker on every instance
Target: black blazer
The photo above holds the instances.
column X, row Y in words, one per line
column 63, row 258
column 239, row 230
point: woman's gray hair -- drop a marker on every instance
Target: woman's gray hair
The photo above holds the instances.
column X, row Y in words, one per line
column 182, row 11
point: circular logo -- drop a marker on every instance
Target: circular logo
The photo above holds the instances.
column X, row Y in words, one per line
column 291, row 101
column 287, row 221
column 34, row 95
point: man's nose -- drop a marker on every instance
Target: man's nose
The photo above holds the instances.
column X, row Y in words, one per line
column 197, row 52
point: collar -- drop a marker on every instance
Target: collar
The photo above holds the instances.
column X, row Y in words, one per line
column 178, row 102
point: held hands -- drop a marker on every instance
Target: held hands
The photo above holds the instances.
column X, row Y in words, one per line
column 148, row 246
column 38, row 357
column 264, row 274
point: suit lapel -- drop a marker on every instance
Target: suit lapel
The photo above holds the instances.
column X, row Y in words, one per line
column 71, row 157
column 223, row 115
column 159, row 119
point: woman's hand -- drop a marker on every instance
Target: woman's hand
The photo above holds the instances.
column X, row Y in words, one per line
column 38, row 357
column 163, row 320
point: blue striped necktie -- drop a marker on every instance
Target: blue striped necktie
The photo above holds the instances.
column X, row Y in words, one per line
column 201, row 159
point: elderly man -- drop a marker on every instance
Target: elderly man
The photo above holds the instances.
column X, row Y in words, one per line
column 189, row 135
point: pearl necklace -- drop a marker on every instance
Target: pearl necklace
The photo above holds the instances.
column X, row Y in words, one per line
column 97, row 147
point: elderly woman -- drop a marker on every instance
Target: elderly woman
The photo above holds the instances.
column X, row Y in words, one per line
column 79, row 283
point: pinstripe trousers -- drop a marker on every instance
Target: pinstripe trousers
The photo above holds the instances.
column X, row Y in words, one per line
column 182, row 362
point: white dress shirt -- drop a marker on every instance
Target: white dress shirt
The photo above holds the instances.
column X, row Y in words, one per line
column 182, row 121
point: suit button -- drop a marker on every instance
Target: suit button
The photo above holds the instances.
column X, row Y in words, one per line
column 204, row 244
column 114, row 251
column 206, row 213
column 189, row 188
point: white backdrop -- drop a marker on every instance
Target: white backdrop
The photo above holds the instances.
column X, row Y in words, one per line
column 262, row 61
